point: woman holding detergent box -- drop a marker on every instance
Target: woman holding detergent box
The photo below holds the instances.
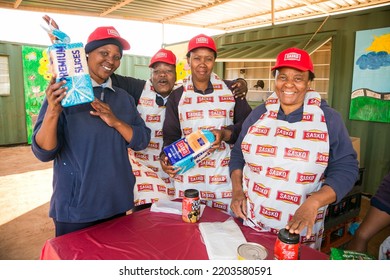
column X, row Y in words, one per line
column 204, row 101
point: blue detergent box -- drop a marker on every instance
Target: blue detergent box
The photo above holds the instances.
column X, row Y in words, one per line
column 190, row 150
column 68, row 61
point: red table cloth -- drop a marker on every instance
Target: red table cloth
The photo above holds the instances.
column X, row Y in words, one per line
column 147, row 235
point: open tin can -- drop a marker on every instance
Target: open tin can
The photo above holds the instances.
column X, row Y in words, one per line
column 251, row 251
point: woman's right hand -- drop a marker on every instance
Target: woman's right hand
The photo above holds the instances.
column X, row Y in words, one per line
column 46, row 137
column 238, row 204
column 55, row 92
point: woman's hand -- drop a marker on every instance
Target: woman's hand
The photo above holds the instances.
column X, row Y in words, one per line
column 305, row 216
column 46, row 137
column 103, row 111
column 167, row 167
column 55, row 92
column 52, row 25
column 220, row 135
column 238, row 204
column 240, row 88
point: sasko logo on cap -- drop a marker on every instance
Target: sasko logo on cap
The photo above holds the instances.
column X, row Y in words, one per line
column 201, row 40
column 160, row 55
column 113, row 32
column 107, row 32
column 292, row 56
column 163, row 55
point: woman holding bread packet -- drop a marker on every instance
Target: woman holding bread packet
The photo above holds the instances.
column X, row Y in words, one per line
column 92, row 178
column 204, row 102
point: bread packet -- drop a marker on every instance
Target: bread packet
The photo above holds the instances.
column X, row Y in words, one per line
column 190, row 150
column 68, row 62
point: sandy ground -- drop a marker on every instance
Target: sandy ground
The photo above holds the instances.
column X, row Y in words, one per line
column 25, row 190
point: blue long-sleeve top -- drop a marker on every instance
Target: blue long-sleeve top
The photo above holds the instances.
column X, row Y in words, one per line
column 92, row 175
column 342, row 170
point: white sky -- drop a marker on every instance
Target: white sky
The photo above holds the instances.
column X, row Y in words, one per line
column 144, row 38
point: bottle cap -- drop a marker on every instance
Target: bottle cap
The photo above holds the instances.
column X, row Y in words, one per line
column 287, row 237
column 191, row 193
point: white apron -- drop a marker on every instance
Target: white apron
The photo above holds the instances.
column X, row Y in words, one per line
column 152, row 183
column 209, row 111
column 284, row 164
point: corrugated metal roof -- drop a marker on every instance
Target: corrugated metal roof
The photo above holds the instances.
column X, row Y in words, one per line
column 267, row 50
column 228, row 15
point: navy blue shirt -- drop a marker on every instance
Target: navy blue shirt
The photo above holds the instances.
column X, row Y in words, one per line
column 133, row 86
column 381, row 198
column 343, row 169
column 92, row 175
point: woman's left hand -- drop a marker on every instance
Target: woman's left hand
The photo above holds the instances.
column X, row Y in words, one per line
column 219, row 136
column 103, row 111
column 303, row 218
column 52, row 24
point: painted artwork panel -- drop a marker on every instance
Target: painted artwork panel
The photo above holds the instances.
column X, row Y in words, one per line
column 36, row 77
column 370, row 97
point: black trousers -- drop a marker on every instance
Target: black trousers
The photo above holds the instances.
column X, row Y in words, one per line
column 64, row 228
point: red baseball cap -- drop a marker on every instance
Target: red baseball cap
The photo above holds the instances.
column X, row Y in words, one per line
column 102, row 35
column 295, row 58
column 165, row 56
column 201, row 41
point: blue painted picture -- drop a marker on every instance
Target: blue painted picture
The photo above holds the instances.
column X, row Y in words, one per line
column 370, row 97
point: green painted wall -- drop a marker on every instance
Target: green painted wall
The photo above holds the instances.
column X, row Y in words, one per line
column 12, row 113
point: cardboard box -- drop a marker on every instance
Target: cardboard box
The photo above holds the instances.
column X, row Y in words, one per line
column 356, row 146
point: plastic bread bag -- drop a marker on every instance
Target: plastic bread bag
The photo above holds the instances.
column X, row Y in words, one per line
column 68, row 62
column 190, row 150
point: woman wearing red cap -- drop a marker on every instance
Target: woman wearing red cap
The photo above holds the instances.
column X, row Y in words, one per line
column 92, row 180
column 204, row 101
column 293, row 156
column 152, row 182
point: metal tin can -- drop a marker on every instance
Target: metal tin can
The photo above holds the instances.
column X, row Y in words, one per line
column 251, row 251
column 191, row 206
column 287, row 246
